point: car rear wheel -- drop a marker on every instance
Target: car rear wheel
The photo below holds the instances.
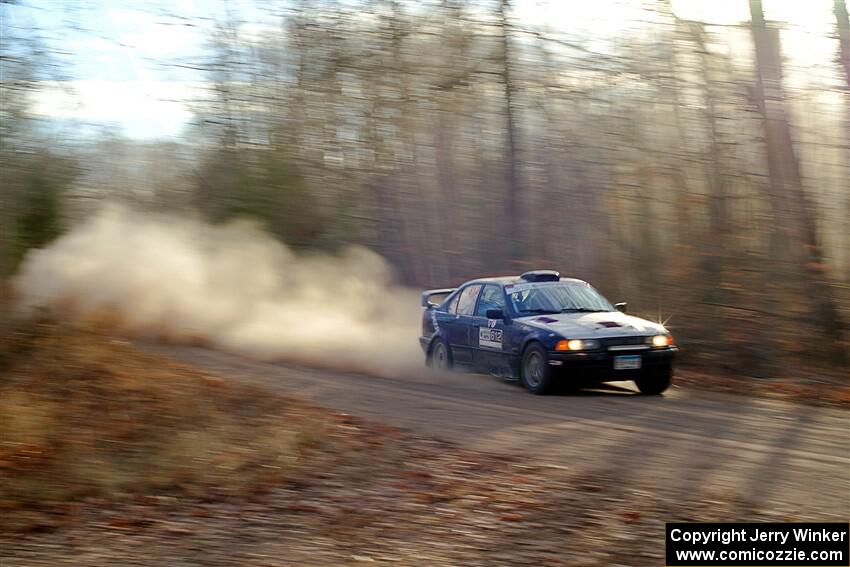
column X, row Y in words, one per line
column 655, row 380
column 441, row 357
column 535, row 373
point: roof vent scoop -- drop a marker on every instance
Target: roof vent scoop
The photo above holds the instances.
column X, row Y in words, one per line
column 541, row 276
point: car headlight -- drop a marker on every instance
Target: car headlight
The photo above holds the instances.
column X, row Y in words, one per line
column 577, row 344
column 661, row 341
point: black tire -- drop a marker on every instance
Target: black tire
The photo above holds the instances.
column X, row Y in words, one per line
column 440, row 358
column 534, row 371
column 655, row 380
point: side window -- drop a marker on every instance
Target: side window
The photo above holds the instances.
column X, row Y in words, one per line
column 453, row 304
column 491, row 298
column 466, row 303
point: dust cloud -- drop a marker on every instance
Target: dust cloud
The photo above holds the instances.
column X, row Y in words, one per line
column 230, row 286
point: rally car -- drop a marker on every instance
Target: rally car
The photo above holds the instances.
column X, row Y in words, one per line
column 544, row 330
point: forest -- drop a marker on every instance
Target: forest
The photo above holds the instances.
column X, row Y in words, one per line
column 697, row 167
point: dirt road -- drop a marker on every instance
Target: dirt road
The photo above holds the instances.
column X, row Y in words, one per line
column 781, row 459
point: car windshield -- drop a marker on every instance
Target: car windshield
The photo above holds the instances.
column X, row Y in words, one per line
column 557, row 297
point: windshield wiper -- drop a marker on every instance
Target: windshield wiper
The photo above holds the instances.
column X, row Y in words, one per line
column 582, row 310
column 538, row 311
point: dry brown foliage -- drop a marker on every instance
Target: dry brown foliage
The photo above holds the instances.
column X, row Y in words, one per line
column 84, row 415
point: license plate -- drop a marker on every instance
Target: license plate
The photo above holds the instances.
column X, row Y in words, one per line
column 631, row 362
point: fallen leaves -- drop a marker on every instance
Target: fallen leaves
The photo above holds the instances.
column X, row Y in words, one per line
column 356, row 491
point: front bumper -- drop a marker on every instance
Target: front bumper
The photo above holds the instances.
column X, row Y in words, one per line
column 599, row 365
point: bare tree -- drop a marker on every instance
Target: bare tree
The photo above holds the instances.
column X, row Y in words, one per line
column 512, row 212
column 793, row 211
column 842, row 26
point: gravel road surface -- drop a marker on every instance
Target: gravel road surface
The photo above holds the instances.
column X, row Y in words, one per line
column 784, row 458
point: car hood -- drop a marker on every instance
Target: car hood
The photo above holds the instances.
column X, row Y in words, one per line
column 594, row 325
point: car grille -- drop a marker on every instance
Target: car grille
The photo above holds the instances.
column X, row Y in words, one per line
column 623, row 341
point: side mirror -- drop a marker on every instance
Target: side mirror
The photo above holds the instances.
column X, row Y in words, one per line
column 495, row 314
column 621, row 306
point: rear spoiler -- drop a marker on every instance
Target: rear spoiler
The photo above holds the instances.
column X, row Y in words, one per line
column 433, row 297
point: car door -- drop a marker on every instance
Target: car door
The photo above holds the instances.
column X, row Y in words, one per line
column 459, row 324
column 488, row 335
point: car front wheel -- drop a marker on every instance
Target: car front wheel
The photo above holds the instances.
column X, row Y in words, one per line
column 535, row 373
column 655, row 380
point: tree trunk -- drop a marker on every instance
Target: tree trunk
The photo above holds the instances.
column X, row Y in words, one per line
column 512, row 220
column 842, row 26
column 791, row 206
column 715, row 245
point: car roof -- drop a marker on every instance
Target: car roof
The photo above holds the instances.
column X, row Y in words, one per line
column 502, row 280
